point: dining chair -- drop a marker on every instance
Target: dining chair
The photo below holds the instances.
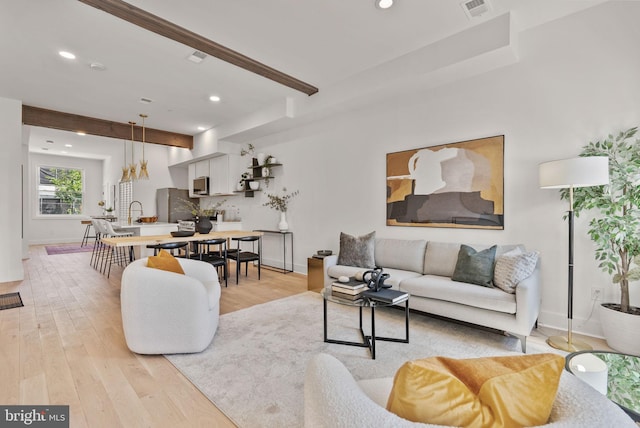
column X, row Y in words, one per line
column 216, row 257
column 245, row 257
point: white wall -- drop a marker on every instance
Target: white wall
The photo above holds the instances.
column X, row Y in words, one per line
column 11, row 191
column 576, row 81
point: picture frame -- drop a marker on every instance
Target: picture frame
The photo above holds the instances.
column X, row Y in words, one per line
column 457, row 185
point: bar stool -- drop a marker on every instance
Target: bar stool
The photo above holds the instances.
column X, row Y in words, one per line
column 245, row 257
column 118, row 253
column 87, row 232
column 216, row 258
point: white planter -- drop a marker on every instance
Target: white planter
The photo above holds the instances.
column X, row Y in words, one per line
column 283, row 226
column 621, row 330
column 254, row 185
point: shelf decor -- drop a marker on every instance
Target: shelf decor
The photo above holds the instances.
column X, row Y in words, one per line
column 459, row 185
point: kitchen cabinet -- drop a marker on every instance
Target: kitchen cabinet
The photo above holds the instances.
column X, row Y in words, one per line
column 223, row 173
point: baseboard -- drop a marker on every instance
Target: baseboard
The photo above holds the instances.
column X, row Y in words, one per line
column 587, row 327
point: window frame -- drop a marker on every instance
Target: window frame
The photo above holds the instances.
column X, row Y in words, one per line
column 37, row 213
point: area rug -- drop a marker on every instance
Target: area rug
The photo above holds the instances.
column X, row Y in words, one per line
column 67, row 249
column 10, row 300
column 254, row 369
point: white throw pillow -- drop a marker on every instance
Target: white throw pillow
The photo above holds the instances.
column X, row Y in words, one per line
column 512, row 267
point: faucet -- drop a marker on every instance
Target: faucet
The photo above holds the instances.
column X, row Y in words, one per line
column 141, row 213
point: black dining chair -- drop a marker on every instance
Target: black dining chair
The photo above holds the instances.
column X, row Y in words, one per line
column 245, row 257
column 216, row 257
column 171, row 247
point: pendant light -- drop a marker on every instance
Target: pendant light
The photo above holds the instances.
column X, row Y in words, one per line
column 132, row 166
column 125, row 168
column 144, row 174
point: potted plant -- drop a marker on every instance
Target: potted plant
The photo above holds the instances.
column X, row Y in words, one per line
column 280, row 203
column 615, row 229
column 243, row 180
column 247, row 151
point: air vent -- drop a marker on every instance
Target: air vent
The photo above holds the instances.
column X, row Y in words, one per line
column 475, row 8
column 197, row 57
column 145, row 100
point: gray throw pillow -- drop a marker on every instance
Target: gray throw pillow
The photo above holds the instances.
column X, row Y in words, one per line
column 475, row 267
column 357, row 251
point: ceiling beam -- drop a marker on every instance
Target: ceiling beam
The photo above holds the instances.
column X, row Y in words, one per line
column 153, row 23
column 75, row 123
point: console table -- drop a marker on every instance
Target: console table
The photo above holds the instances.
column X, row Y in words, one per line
column 284, row 235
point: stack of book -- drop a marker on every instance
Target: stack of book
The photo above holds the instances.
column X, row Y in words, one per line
column 386, row 295
column 351, row 290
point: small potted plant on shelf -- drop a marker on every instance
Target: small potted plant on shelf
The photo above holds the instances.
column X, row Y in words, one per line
column 280, row 203
column 247, row 151
column 242, row 184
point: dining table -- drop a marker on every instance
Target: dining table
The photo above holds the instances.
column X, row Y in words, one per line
column 143, row 241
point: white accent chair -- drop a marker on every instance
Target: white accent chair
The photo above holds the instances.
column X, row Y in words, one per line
column 333, row 398
column 169, row 313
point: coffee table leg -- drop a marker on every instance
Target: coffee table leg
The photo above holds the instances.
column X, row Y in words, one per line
column 325, row 318
column 373, row 332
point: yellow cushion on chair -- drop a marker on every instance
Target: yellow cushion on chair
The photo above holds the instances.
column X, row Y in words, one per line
column 478, row 392
column 165, row 261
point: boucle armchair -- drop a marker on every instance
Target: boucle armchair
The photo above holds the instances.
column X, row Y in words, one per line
column 333, row 398
column 169, row 313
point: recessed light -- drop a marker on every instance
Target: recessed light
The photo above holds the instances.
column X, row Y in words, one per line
column 67, row 55
column 96, row 66
column 214, row 98
column 49, row 141
column 201, row 128
column 384, row 4
column 144, row 100
column 68, row 145
column 81, row 133
column 45, row 148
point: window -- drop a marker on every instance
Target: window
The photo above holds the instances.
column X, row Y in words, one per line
column 60, row 191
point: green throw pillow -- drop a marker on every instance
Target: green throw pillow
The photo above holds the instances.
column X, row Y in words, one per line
column 475, row 267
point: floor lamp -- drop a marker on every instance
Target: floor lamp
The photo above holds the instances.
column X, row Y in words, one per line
column 569, row 174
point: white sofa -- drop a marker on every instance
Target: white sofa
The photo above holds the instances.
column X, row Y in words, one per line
column 169, row 313
column 424, row 270
column 333, row 399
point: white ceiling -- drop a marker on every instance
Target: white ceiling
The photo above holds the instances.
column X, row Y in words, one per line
column 322, row 42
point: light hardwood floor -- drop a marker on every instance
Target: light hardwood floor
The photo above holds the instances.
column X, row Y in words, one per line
column 66, row 346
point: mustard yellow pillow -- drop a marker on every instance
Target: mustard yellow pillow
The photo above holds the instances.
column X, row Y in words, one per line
column 165, row 261
column 479, row 392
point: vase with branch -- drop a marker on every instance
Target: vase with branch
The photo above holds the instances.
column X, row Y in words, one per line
column 280, row 203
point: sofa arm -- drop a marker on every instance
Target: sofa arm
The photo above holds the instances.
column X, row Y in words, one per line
column 528, row 301
column 332, row 398
column 329, row 261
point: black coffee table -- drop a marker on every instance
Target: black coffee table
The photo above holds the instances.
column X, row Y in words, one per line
column 615, row 374
column 368, row 341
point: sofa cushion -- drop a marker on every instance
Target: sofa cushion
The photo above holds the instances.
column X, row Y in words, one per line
column 443, row 288
column 357, row 251
column 475, row 267
column 400, row 254
column 479, row 392
column 441, row 258
column 512, row 267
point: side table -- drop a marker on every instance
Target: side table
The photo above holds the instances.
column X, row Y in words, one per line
column 284, row 235
column 612, row 373
column 315, row 273
column 368, row 341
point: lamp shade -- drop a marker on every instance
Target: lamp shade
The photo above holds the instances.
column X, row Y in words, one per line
column 574, row 172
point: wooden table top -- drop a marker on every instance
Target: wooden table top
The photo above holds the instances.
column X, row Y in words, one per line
column 128, row 241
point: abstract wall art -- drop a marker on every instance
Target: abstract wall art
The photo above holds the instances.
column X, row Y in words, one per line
column 452, row 185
